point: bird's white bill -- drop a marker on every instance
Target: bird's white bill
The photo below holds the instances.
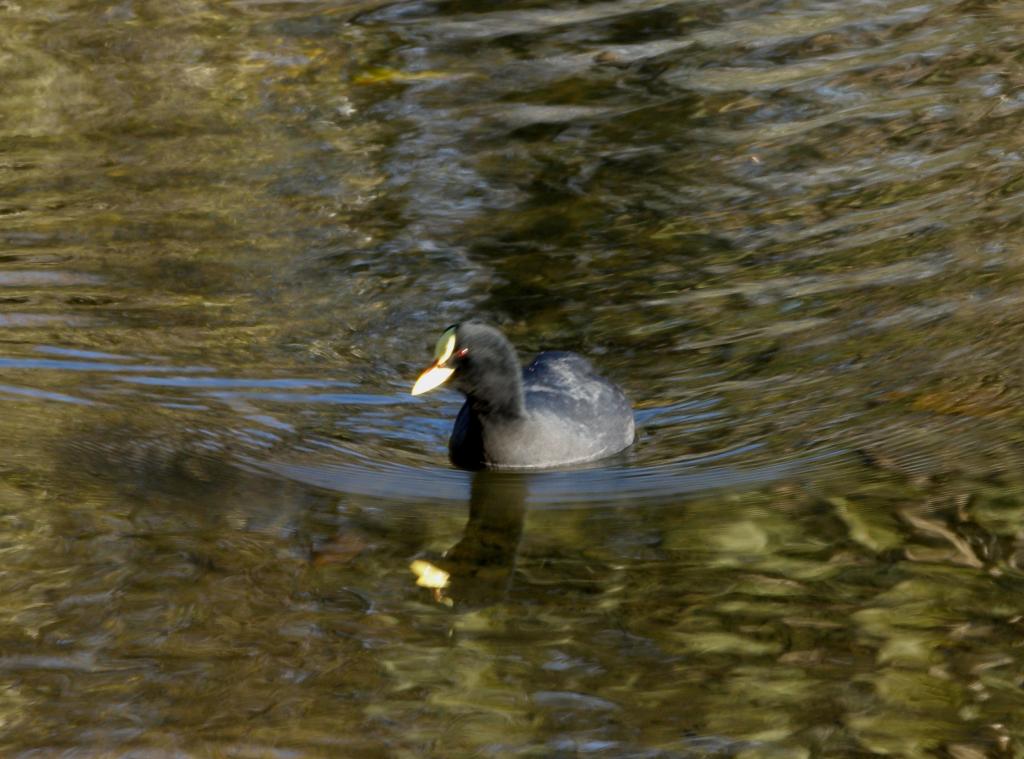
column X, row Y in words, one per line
column 435, row 376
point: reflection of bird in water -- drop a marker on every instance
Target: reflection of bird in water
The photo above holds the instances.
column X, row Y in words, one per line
column 556, row 411
column 478, row 569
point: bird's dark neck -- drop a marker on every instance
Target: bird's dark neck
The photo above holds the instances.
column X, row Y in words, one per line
column 490, row 375
column 499, row 397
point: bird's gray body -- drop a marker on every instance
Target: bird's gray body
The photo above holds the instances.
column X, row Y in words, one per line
column 571, row 415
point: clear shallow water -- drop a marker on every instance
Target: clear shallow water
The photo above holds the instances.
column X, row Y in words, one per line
column 229, row 235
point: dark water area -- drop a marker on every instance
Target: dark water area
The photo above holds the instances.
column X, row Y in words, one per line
column 230, row 233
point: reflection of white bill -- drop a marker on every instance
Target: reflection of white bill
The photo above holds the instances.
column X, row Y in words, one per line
column 429, row 576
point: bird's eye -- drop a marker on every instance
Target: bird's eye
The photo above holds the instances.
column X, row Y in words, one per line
column 445, row 346
column 462, row 353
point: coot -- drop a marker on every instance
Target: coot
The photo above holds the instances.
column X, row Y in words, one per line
column 556, row 411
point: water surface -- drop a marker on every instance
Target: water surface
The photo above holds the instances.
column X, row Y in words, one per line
column 230, row 233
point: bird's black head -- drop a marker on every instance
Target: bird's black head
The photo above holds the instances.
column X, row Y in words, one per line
column 481, row 363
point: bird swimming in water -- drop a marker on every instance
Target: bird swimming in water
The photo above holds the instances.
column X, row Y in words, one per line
column 557, row 411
